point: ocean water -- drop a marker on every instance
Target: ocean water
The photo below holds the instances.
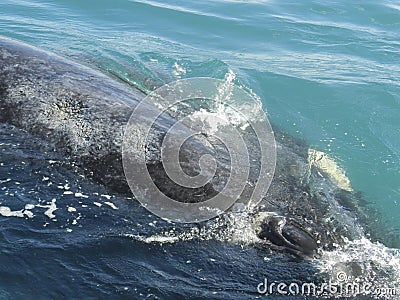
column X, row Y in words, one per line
column 326, row 72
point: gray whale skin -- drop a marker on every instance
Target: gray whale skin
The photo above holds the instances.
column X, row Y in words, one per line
column 83, row 113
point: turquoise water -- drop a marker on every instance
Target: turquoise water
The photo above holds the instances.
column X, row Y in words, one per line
column 326, row 72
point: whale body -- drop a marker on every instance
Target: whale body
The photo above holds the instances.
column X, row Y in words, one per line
column 83, row 114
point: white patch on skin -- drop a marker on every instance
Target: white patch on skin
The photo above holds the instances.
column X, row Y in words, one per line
column 322, row 161
column 108, row 197
column 97, row 204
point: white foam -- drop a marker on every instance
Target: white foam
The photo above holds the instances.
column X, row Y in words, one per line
column 377, row 264
column 178, row 70
column 63, row 187
column 112, row 205
column 155, row 239
column 211, row 121
column 29, row 206
column 228, row 110
column 231, row 227
column 7, row 212
column 51, row 208
column 80, row 195
column 29, row 214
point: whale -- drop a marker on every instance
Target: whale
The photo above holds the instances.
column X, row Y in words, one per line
column 83, row 113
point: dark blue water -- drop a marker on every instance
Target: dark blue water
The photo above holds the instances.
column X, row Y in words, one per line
column 326, row 72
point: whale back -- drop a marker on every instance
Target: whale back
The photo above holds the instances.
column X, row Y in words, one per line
column 81, row 111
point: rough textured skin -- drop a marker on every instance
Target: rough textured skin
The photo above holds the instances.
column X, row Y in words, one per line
column 83, row 113
column 53, row 99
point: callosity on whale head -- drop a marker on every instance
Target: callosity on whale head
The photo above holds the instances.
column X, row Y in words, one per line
column 274, row 228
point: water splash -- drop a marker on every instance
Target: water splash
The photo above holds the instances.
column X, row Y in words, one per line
column 364, row 262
